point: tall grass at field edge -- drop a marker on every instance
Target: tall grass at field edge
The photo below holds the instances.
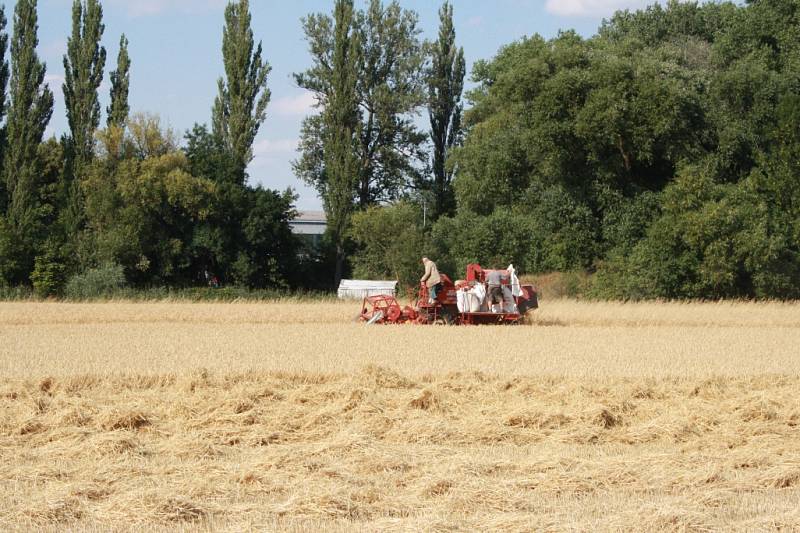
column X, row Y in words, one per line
column 168, row 294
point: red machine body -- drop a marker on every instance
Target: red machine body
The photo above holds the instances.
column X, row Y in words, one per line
column 384, row 309
column 444, row 309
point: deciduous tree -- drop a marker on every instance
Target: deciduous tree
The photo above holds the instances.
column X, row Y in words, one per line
column 340, row 122
column 241, row 105
column 120, row 86
column 83, row 72
column 29, row 113
column 389, row 91
column 445, row 85
column 4, row 74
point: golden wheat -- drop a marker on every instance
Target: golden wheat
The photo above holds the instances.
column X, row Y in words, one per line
column 289, row 416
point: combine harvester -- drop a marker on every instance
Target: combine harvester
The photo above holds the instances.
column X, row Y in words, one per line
column 461, row 303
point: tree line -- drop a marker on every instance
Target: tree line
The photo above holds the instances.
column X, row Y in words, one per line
column 660, row 156
column 126, row 203
column 131, row 203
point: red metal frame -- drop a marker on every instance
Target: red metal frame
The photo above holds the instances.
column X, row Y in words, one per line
column 389, row 309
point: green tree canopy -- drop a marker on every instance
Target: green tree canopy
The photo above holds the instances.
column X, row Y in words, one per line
column 241, row 105
column 4, row 75
column 29, row 112
column 445, row 85
column 119, row 108
column 83, row 72
column 389, row 90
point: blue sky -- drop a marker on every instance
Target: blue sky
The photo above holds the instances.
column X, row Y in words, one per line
column 176, row 58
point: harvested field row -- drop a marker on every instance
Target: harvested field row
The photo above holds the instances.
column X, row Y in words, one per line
column 563, row 313
column 64, row 350
column 567, row 338
column 278, row 423
column 382, row 450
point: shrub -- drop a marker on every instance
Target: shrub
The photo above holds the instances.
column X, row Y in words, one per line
column 9, row 254
column 391, row 243
column 492, row 241
column 563, row 230
column 17, row 293
column 49, row 272
column 99, row 282
column 711, row 241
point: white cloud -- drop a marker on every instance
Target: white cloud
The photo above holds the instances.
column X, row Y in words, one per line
column 590, row 8
column 299, row 105
column 144, row 8
column 269, row 148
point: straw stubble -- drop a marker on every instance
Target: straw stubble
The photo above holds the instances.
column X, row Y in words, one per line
column 289, row 416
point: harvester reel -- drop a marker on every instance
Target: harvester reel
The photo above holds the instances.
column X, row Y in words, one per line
column 393, row 313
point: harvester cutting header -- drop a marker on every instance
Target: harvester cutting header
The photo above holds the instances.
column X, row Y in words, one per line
column 483, row 297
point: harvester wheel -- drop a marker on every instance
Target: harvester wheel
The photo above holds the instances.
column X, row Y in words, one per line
column 444, row 319
column 394, row 313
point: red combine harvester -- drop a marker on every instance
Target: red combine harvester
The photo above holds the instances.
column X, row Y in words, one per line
column 450, row 307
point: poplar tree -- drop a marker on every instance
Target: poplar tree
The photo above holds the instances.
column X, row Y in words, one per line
column 83, row 72
column 28, row 115
column 341, row 124
column 120, row 86
column 240, row 107
column 390, row 89
column 445, row 85
column 4, row 74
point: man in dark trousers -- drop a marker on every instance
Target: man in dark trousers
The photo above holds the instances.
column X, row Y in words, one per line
column 494, row 292
column 431, row 279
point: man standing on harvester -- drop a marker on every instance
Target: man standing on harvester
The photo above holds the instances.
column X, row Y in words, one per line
column 494, row 281
column 431, row 279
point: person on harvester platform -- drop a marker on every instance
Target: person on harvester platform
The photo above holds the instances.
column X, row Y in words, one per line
column 495, row 290
column 431, row 279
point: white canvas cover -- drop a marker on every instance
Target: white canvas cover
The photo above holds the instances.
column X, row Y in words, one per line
column 516, row 286
column 356, row 289
column 480, row 292
column 474, row 303
column 462, row 300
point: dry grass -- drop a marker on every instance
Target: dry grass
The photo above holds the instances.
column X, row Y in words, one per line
column 642, row 417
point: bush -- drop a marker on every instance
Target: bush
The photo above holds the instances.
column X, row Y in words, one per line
column 49, row 272
column 12, row 294
column 563, row 230
column 493, row 241
column 103, row 281
column 711, row 241
column 9, row 255
column 391, row 243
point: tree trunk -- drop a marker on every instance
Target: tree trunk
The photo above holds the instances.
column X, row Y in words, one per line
column 626, row 158
column 339, row 266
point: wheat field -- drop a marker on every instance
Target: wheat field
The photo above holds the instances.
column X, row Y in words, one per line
column 290, row 416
